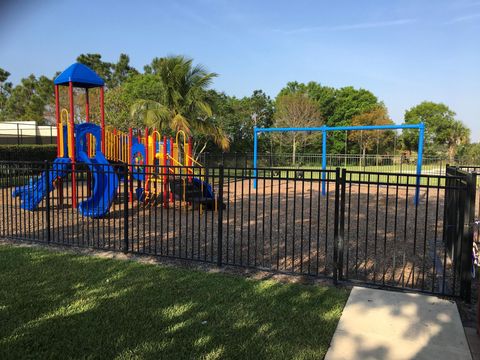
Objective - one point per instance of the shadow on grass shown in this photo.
(69, 306)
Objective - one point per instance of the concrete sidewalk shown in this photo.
(378, 324)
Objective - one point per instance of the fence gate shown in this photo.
(460, 220)
(387, 238)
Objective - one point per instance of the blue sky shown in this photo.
(403, 51)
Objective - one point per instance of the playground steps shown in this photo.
(188, 191)
(195, 192)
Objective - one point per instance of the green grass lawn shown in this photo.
(63, 305)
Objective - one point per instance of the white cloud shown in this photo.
(347, 27)
(464, 18)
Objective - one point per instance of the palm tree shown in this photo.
(183, 104)
(459, 135)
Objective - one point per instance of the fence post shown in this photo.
(458, 220)
(220, 216)
(125, 208)
(450, 211)
(467, 240)
(47, 199)
(336, 222)
(341, 230)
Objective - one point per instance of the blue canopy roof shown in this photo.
(80, 75)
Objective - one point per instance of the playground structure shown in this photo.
(102, 149)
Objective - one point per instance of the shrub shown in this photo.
(28, 152)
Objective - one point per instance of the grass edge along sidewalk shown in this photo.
(59, 304)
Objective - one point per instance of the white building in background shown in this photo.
(26, 132)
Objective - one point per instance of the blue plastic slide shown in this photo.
(32, 194)
(105, 184)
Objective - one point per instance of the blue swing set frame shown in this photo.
(325, 129)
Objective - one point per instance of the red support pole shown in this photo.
(164, 171)
(154, 148)
(147, 157)
(154, 141)
(130, 139)
(171, 155)
(87, 118)
(89, 152)
(72, 144)
(102, 117)
(57, 117)
(130, 161)
(87, 106)
(59, 182)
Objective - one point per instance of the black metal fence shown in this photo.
(392, 230)
(370, 162)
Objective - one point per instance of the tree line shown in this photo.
(173, 93)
